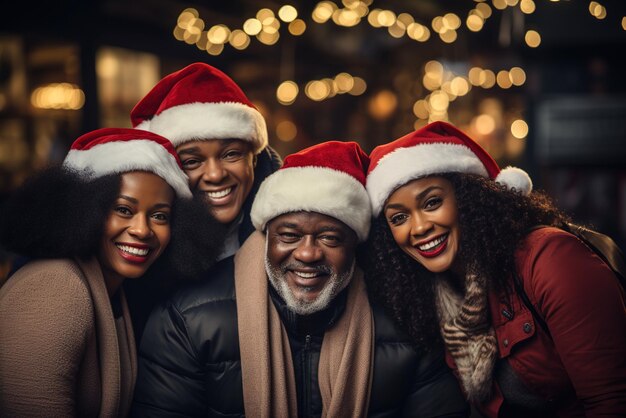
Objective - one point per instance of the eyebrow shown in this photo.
(223, 142)
(420, 196)
(135, 201)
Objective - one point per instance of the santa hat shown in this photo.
(435, 149)
(120, 150)
(200, 102)
(328, 178)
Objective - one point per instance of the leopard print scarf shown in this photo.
(468, 334)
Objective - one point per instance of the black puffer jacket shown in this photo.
(189, 362)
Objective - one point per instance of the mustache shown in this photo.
(294, 265)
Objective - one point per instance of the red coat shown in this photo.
(582, 368)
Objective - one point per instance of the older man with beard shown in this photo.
(285, 329)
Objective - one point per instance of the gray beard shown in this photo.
(335, 284)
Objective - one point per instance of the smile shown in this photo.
(433, 247)
(142, 252)
(307, 275)
(220, 193)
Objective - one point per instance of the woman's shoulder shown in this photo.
(57, 281)
(540, 239)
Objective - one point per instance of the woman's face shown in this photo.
(137, 229)
(423, 219)
(222, 170)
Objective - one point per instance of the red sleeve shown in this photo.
(583, 304)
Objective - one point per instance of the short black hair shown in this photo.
(58, 214)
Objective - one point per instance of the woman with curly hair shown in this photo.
(119, 204)
(452, 236)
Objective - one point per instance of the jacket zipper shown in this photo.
(305, 376)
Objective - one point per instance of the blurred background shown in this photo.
(540, 84)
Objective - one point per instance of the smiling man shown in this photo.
(285, 329)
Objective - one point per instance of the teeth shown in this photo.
(221, 193)
(134, 251)
(306, 275)
(432, 244)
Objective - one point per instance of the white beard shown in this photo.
(335, 284)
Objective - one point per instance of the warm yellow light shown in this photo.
(517, 76)
(437, 24)
(58, 96)
(239, 39)
(448, 36)
(346, 17)
(484, 10)
(192, 35)
(345, 82)
(268, 38)
(503, 79)
(527, 6)
(397, 30)
(439, 101)
(287, 13)
(263, 14)
(287, 92)
(415, 31)
(532, 38)
(218, 34)
(499, 4)
(488, 79)
(215, 49)
(252, 27)
(107, 66)
(459, 86)
(511, 3)
(484, 124)
(386, 18)
(323, 11)
(203, 41)
(474, 23)
(372, 18)
(406, 19)
(421, 109)
(519, 129)
(286, 130)
(297, 27)
(451, 21)
(474, 76)
(270, 25)
(382, 105)
(187, 18)
(317, 90)
(433, 66)
(359, 87)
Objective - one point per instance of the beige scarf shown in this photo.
(346, 358)
(468, 334)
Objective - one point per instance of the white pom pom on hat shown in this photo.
(437, 148)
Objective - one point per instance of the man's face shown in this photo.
(309, 259)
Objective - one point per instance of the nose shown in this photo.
(140, 227)
(308, 251)
(214, 171)
(420, 225)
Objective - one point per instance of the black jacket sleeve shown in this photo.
(170, 380)
(436, 392)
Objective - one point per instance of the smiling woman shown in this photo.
(119, 204)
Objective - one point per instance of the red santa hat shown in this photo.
(200, 102)
(435, 149)
(120, 150)
(328, 178)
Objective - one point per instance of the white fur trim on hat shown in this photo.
(192, 121)
(313, 189)
(124, 156)
(405, 164)
(515, 178)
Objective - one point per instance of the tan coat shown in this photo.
(62, 352)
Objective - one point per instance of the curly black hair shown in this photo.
(406, 289)
(57, 214)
